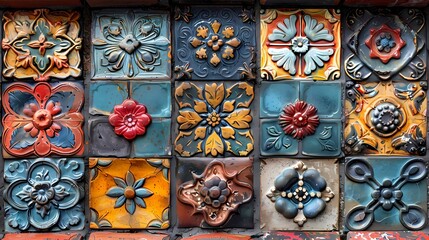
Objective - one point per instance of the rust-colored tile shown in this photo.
(129, 193)
(44, 236)
(125, 236)
(223, 236)
(300, 44)
(385, 118)
(39, 3)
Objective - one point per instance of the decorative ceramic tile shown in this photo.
(147, 105)
(44, 194)
(40, 44)
(131, 44)
(129, 193)
(299, 195)
(385, 44)
(125, 236)
(385, 118)
(300, 117)
(214, 43)
(223, 236)
(282, 3)
(404, 235)
(387, 3)
(275, 235)
(214, 119)
(43, 236)
(42, 119)
(300, 44)
(39, 4)
(120, 3)
(218, 193)
(385, 193)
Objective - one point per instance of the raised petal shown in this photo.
(285, 59)
(312, 177)
(129, 178)
(130, 206)
(214, 145)
(239, 119)
(188, 119)
(115, 192)
(214, 94)
(315, 58)
(316, 31)
(286, 179)
(286, 207)
(314, 207)
(143, 193)
(120, 201)
(284, 32)
(140, 202)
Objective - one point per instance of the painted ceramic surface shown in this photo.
(43, 236)
(44, 194)
(385, 44)
(385, 193)
(387, 3)
(215, 193)
(274, 235)
(129, 193)
(300, 118)
(403, 235)
(111, 140)
(214, 119)
(300, 3)
(385, 118)
(42, 119)
(131, 44)
(299, 195)
(215, 43)
(223, 236)
(125, 236)
(41, 44)
(300, 44)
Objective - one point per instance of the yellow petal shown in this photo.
(202, 31)
(214, 94)
(228, 106)
(240, 119)
(228, 132)
(200, 133)
(235, 42)
(215, 26)
(200, 106)
(188, 119)
(214, 145)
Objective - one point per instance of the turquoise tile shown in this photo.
(274, 141)
(156, 141)
(325, 142)
(105, 95)
(326, 97)
(274, 96)
(156, 96)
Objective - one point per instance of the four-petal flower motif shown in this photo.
(214, 42)
(130, 119)
(299, 119)
(214, 119)
(41, 44)
(129, 192)
(300, 193)
(131, 43)
(41, 120)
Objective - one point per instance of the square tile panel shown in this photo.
(299, 195)
(215, 43)
(43, 236)
(214, 119)
(385, 193)
(386, 3)
(42, 119)
(44, 194)
(402, 235)
(110, 137)
(125, 236)
(129, 193)
(131, 44)
(215, 193)
(300, 44)
(277, 235)
(385, 118)
(223, 236)
(383, 44)
(300, 118)
(41, 44)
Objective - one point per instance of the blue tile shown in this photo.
(325, 142)
(274, 141)
(156, 96)
(326, 97)
(276, 95)
(105, 95)
(156, 141)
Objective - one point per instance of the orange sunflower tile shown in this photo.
(129, 193)
(300, 44)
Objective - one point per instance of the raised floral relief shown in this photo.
(129, 192)
(216, 193)
(300, 193)
(385, 44)
(41, 44)
(131, 45)
(387, 195)
(214, 119)
(130, 119)
(300, 44)
(43, 194)
(43, 119)
(299, 119)
(385, 118)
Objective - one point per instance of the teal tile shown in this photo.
(274, 141)
(274, 96)
(105, 95)
(156, 96)
(156, 141)
(326, 97)
(325, 142)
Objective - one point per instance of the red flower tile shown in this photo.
(299, 119)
